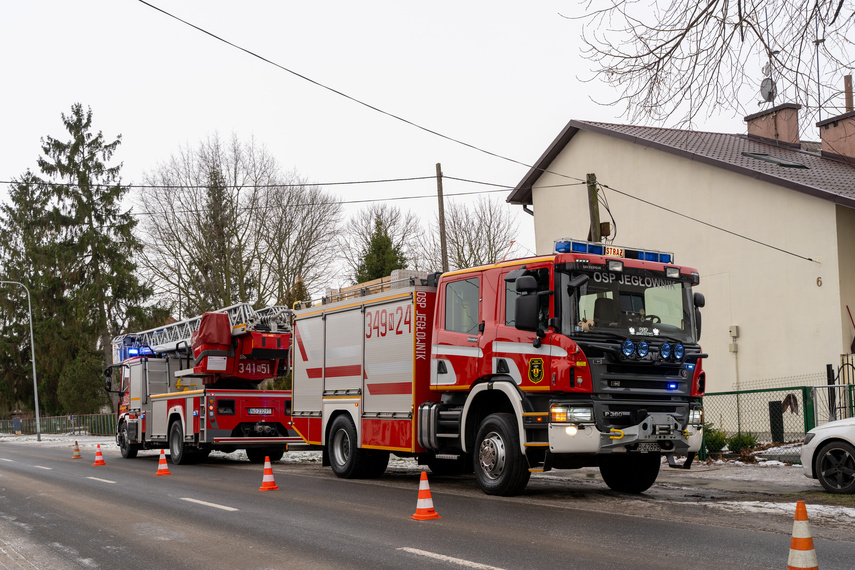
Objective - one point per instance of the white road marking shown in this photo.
(444, 558)
(102, 480)
(9, 460)
(46, 468)
(207, 504)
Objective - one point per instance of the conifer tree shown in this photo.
(381, 257)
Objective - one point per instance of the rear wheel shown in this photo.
(129, 450)
(835, 467)
(500, 467)
(346, 459)
(178, 452)
(630, 472)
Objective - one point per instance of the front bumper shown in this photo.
(660, 430)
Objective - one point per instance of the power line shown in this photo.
(336, 91)
(708, 224)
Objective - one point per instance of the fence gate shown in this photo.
(833, 402)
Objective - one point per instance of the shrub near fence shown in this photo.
(91, 424)
(772, 415)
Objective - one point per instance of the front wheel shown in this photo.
(346, 459)
(500, 467)
(178, 452)
(129, 450)
(835, 467)
(630, 472)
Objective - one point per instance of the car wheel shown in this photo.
(835, 467)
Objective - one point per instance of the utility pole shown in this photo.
(593, 208)
(33, 356)
(443, 247)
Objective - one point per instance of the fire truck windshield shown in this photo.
(629, 304)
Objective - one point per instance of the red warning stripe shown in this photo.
(390, 389)
(335, 371)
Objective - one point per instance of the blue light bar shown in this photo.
(133, 351)
(672, 385)
(595, 248)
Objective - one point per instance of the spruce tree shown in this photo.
(381, 257)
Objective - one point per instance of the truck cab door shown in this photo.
(524, 355)
(456, 353)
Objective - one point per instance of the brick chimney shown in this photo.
(838, 133)
(780, 125)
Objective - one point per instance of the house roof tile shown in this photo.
(823, 177)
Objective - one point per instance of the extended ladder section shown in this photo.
(177, 336)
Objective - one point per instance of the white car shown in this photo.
(828, 454)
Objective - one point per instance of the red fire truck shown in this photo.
(586, 357)
(191, 386)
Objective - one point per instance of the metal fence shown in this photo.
(92, 424)
(833, 402)
(773, 414)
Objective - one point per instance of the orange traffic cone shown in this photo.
(76, 452)
(424, 507)
(99, 459)
(802, 554)
(267, 483)
(162, 467)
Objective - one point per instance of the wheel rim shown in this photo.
(838, 468)
(123, 435)
(341, 447)
(491, 455)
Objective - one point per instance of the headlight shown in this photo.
(696, 417)
(679, 352)
(643, 349)
(572, 414)
(809, 436)
(665, 351)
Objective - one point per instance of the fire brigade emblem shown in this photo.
(535, 370)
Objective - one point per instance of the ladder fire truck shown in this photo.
(586, 357)
(191, 386)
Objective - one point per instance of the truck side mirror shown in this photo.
(108, 382)
(578, 281)
(699, 302)
(526, 311)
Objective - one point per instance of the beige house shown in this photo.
(768, 222)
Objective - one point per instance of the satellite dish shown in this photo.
(768, 91)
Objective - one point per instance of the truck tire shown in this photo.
(630, 472)
(835, 467)
(500, 467)
(346, 459)
(377, 463)
(129, 450)
(178, 452)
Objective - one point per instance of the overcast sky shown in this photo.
(502, 76)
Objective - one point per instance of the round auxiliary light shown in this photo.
(643, 349)
(679, 352)
(665, 350)
(628, 348)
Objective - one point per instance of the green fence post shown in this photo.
(807, 401)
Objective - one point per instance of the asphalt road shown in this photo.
(58, 512)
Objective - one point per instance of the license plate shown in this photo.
(648, 447)
(260, 411)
